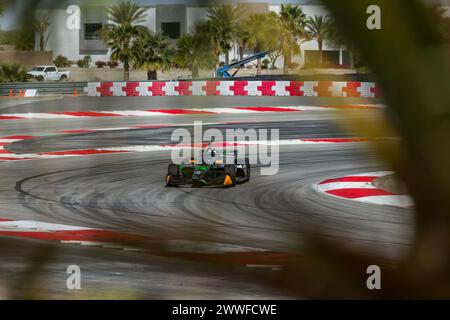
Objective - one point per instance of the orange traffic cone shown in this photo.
(75, 93)
(20, 93)
(11, 94)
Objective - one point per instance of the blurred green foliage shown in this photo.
(62, 62)
(84, 62)
(22, 39)
(154, 53)
(11, 72)
(410, 60)
(194, 53)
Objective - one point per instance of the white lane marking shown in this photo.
(33, 156)
(83, 243)
(43, 226)
(392, 200)
(40, 116)
(305, 141)
(309, 108)
(143, 148)
(224, 110)
(134, 113)
(345, 185)
(284, 142)
(111, 129)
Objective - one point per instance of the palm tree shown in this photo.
(155, 53)
(187, 54)
(208, 32)
(293, 21)
(263, 30)
(318, 28)
(120, 35)
(194, 52)
(41, 27)
(242, 39)
(224, 26)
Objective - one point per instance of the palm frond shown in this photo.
(126, 13)
(12, 73)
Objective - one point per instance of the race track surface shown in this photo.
(126, 193)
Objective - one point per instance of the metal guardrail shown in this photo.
(48, 87)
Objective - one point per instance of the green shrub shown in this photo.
(22, 39)
(7, 37)
(12, 72)
(62, 62)
(88, 60)
(80, 63)
(85, 62)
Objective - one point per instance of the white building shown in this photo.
(173, 18)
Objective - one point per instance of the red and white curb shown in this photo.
(58, 232)
(6, 155)
(360, 187)
(209, 251)
(177, 112)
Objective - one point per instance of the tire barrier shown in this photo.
(234, 88)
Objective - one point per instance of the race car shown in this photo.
(210, 172)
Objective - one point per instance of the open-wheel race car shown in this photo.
(210, 172)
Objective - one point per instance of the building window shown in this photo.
(171, 29)
(92, 31)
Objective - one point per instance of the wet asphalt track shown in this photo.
(126, 192)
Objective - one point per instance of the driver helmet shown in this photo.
(209, 155)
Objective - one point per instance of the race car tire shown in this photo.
(230, 172)
(173, 171)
